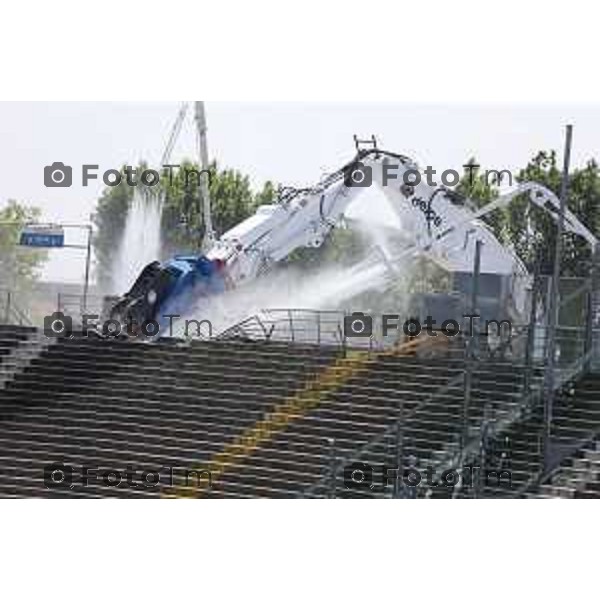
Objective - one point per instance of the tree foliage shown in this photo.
(19, 266)
(533, 231)
(232, 201)
(529, 229)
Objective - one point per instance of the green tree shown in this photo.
(19, 266)
(530, 230)
(533, 231)
(232, 201)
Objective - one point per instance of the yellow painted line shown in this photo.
(330, 380)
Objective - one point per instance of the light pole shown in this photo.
(88, 261)
(209, 234)
(554, 305)
(472, 344)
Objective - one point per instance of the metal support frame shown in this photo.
(472, 344)
(594, 287)
(209, 233)
(358, 142)
(398, 482)
(589, 323)
(332, 468)
(88, 261)
(8, 306)
(530, 344)
(554, 306)
(477, 482)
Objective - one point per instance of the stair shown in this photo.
(18, 347)
(577, 475)
(271, 419)
(115, 403)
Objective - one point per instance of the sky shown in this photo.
(289, 143)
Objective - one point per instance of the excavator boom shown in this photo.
(435, 220)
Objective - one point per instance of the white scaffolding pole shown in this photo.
(209, 234)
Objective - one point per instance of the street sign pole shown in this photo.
(88, 259)
(51, 236)
(554, 307)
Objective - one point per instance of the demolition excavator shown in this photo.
(437, 222)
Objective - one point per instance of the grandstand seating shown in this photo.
(115, 403)
(576, 419)
(365, 408)
(577, 477)
(10, 336)
(97, 402)
(110, 404)
(576, 425)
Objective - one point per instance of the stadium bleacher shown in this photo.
(10, 336)
(112, 403)
(365, 410)
(576, 425)
(274, 419)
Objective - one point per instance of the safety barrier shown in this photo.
(11, 310)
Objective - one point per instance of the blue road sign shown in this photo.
(42, 236)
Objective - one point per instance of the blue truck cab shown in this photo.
(174, 287)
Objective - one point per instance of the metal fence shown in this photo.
(302, 326)
(30, 307)
(11, 310)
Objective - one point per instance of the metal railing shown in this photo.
(11, 311)
(547, 475)
(321, 327)
(380, 438)
(573, 360)
(569, 366)
(290, 325)
(303, 326)
(29, 307)
(76, 305)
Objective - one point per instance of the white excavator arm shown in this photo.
(436, 220)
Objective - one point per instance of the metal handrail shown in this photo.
(11, 313)
(564, 376)
(458, 379)
(495, 427)
(544, 477)
(292, 322)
